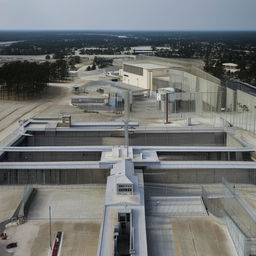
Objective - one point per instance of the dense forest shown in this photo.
(22, 80)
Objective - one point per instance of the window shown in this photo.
(133, 69)
(124, 188)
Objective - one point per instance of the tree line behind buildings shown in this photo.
(22, 80)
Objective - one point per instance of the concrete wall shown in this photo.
(178, 139)
(97, 176)
(197, 176)
(160, 83)
(237, 236)
(117, 138)
(241, 225)
(233, 98)
(51, 156)
(203, 156)
(156, 73)
(136, 80)
(145, 81)
(231, 101)
(244, 246)
(188, 82)
(241, 216)
(172, 61)
(184, 81)
(231, 141)
(75, 138)
(184, 73)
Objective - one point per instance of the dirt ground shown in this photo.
(54, 102)
(200, 236)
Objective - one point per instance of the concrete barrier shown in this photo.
(21, 211)
(28, 197)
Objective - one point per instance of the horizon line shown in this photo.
(128, 30)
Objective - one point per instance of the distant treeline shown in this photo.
(98, 51)
(100, 63)
(214, 48)
(22, 80)
(109, 42)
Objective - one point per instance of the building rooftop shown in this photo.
(245, 87)
(164, 78)
(230, 64)
(147, 65)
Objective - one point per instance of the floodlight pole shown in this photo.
(50, 227)
(126, 95)
(126, 134)
(167, 108)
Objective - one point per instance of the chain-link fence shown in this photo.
(194, 104)
(240, 218)
(213, 108)
(206, 108)
(241, 221)
(146, 108)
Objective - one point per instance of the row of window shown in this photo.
(133, 70)
(125, 190)
(124, 185)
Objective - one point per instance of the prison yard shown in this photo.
(151, 156)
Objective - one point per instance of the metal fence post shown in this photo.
(166, 108)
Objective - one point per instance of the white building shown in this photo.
(141, 73)
(182, 74)
(231, 67)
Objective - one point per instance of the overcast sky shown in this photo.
(129, 14)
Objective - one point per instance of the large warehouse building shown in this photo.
(142, 74)
(153, 73)
(200, 89)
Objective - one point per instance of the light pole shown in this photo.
(50, 227)
(126, 120)
(167, 108)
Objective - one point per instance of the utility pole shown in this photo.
(126, 95)
(126, 132)
(126, 119)
(167, 108)
(50, 227)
